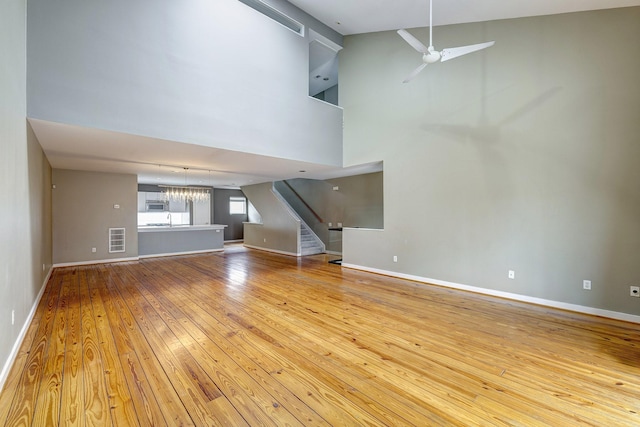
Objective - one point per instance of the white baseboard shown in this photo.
(507, 295)
(205, 251)
(4, 374)
(96, 261)
(272, 250)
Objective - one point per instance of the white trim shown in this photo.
(97, 261)
(315, 36)
(325, 102)
(4, 374)
(275, 15)
(333, 253)
(272, 250)
(180, 253)
(507, 295)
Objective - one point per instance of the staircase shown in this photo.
(309, 242)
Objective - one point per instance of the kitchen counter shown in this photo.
(167, 240)
(154, 228)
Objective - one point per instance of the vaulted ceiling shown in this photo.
(366, 16)
(157, 161)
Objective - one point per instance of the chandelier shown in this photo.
(185, 193)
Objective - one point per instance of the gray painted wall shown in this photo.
(25, 183)
(83, 212)
(522, 157)
(185, 71)
(279, 228)
(221, 215)
(358, 202)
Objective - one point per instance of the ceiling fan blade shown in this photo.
(414, 73)
(454, 52)
(414, 42)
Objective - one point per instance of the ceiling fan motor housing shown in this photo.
(431, 56)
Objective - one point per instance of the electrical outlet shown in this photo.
(586, 284)
(512, 274)
(13, 317)
(395, 258)
(93, 250)
(634, 291)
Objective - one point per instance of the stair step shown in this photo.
(313, 251)
(309, 244)
(314, 247)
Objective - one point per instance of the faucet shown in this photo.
(169, 218)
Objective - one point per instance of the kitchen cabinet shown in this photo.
(188, 239)
(142, 199)
(177, 206)
(154, 195)
(202, 212)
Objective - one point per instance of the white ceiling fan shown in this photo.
(429, 54)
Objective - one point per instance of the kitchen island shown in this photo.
(167, 240)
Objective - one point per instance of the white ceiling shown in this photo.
(366, 16)
(160, 161)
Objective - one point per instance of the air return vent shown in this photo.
(276, 15)
(116, 240)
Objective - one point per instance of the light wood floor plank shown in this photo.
(71, 401)
(296, 372)
(121, 406)
(252, 338)
(23, 396)
(157, 402)
(94, 397)
(232, 327)
(47, 406)
(23, 353)
(215, 358)
(280, 365)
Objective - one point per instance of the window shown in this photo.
(237, 205)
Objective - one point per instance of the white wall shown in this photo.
(523, 156)
(214, 73)
(25, 182)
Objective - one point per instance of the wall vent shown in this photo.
(116, 240)
(276, 15)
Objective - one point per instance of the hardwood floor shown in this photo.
(252, 338)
